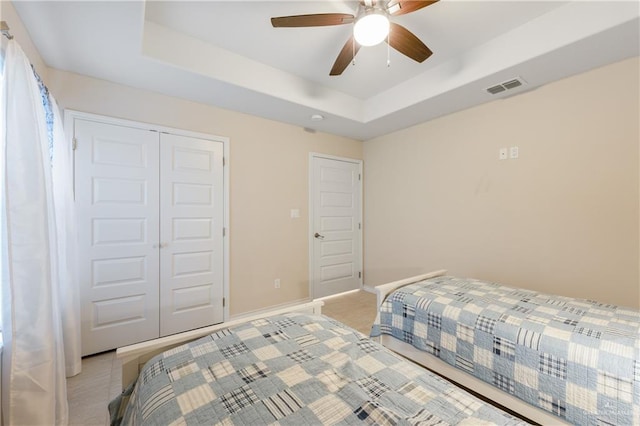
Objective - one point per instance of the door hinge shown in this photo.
(224, 162)
(359, 274)
(74, 144)
(359, 225)
(224, 232)
(359, 176)
(224, 302)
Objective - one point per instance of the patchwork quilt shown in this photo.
(296, 369)
(575, 358)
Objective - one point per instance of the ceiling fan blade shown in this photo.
(405, 42)
(345, 56)
(314, 20)
(402, 7)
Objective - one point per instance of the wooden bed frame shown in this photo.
(452, 373)
(134, 357)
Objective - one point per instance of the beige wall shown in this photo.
(269, 176)
(563, 218)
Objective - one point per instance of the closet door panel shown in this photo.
(191, 254)
(116, 187)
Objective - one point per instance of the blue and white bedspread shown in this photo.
(575, 358)
(296, 369)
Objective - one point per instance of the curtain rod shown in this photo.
(5, 30)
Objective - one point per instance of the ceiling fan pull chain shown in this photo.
(388, 49)
(353, 50)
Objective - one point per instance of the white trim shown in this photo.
(382, 291)
(263, 311)
(335, 157)
(313, 155)
(369, 289)
(227, 226)
(333, 296)
(71, 115)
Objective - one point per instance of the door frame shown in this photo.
(71, 115)
(312, 156)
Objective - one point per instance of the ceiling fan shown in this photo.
(371, 14)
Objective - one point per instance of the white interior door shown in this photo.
(116, 184)
(191, 239)
(336, 224)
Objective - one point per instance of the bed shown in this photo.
(289, 367)
(551, 359)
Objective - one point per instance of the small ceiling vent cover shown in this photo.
(496, 89)
(506, 85)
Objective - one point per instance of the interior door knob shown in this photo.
(318, 236)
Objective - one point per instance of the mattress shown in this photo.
(575, 358)
(296, 369)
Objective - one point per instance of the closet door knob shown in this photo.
(318, 236)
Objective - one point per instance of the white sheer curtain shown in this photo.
(67, 243)
(38, 283)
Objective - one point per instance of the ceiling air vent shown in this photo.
(496, 89)
(512, 84)
(506, 85)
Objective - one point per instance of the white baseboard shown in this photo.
(344, 293)
(267, 309)
(369, 289)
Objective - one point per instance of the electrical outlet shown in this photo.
(514, 152)
(502, 153)
(276, 283)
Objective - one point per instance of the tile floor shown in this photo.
(90, 391)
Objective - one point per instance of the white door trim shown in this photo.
(310, 240)
(71, 115)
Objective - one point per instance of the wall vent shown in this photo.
(506, 85)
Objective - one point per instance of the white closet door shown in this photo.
(191, 254)
(116, 186)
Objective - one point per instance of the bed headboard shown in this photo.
(382, 291)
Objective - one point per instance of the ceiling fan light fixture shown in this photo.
(371, 29)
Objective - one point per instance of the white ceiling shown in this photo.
(225, 53)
